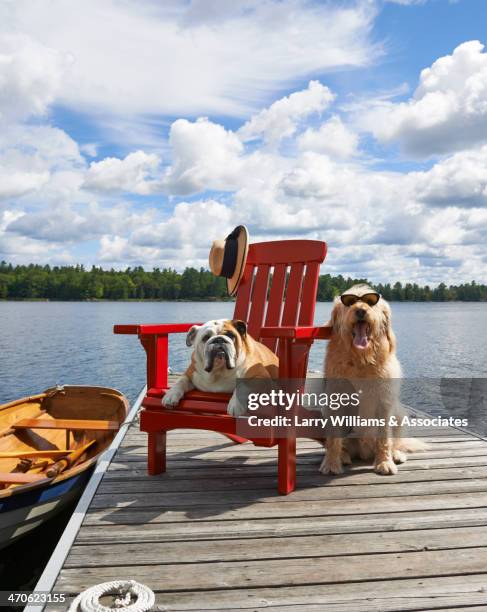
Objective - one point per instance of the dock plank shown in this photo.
(148, 508)
(306, 464)
(276, 548)
(474, 449)
(257, 498)
(387, 596)
(104, 532)
(174, 482)
(285, 572)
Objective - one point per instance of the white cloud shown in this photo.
(180, 58)
(204, 156)
(448, 110)
(34, 158)
(281, 119)
(90, 149)
(64, 223)
(190, 225)
(22, 249)
(332, 138)
(30, 76)
(8, 216)
(178, 241)
(44, 145)
(115, 249)
(406, 2)
(460, 180)
(16, 184)
(132, 173)
(317, 176)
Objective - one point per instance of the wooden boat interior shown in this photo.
(56, 433)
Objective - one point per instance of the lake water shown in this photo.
(44, 343)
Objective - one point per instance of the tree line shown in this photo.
(77, 283)
(330, 286)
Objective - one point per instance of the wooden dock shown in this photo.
(212, 533)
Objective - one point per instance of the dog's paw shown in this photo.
(333, 466)
(235, 408)
(386, 468)
(399, 456)
(172, 397)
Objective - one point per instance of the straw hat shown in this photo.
(227, 257)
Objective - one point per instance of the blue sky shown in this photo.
(136, 133)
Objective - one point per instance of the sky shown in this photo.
(136, 132)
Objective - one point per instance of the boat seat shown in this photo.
(39, 454)
(72, 424)
(20, 477)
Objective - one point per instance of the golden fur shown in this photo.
(374, 359)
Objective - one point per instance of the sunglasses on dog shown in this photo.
(371, 299)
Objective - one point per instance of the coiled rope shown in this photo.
(124, 590)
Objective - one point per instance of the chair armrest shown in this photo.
(154, 339)
(297, 332)
(293, 354)
(169, 328)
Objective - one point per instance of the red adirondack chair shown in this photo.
(277, 298)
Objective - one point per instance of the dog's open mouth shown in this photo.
(218, 358)
(361, 334)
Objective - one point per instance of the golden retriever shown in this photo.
(363, 346)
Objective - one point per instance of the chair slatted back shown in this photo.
(279, 285)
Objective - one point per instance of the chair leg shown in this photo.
(287, 465)
(235, 439)
(156, 452)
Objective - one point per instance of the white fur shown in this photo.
(173, 396)
(222, 381)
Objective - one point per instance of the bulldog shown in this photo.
(223, 352)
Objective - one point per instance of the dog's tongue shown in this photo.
(360, 339)
(220, 358)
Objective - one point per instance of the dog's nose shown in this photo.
(360, 313)
(218, 340)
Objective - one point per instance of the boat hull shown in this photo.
(20, 514)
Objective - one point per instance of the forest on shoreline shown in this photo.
(74, 283)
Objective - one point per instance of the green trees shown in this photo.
(397, 292)
(330, 286)
(77, 283)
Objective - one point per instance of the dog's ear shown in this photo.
(191, 335)
(391, 337)
(240, 326)
(334, 317)
(387, 327)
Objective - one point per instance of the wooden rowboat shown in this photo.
(49, 444)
